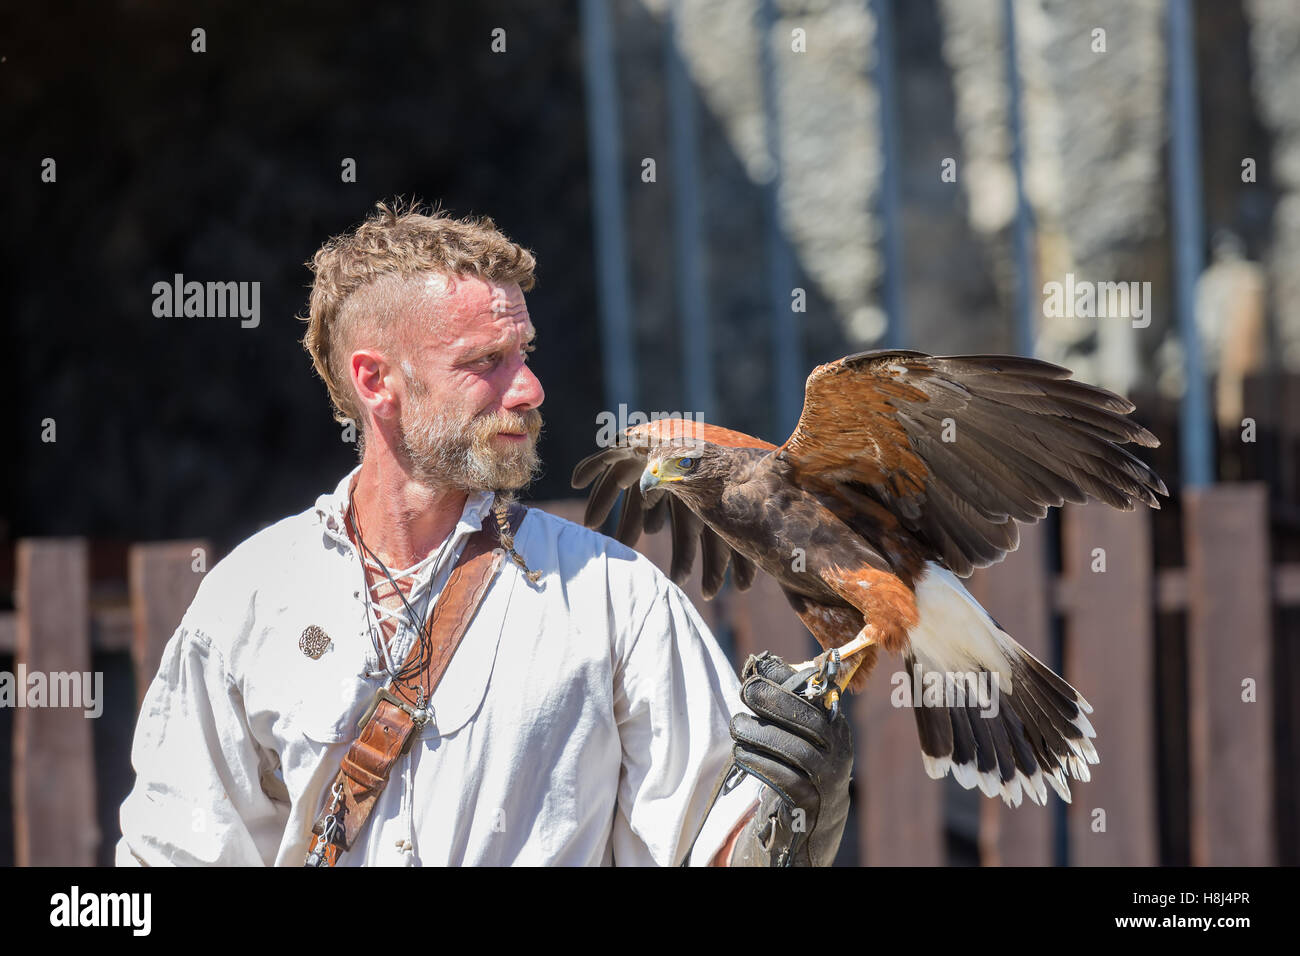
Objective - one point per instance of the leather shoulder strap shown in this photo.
(389, 725)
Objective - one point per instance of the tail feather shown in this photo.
(1026, 731)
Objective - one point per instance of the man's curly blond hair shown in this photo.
(357, 298)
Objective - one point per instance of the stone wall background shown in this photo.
(1096, 169)
(225, 165)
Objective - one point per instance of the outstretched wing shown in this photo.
(959, 448)
(617, 470)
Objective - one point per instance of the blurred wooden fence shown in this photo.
(1225, 592)
(58, 625)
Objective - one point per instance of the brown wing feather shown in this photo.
(959, 448)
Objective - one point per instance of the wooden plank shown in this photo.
(164, 577)
(1108, 658)
(1229, 642)
(54, 767)
(112, 629)
(901, 820)
(1172, 588)
(1016, 593)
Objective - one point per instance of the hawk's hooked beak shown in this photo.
(649, 477)
(657, 473)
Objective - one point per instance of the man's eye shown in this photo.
(491, 361)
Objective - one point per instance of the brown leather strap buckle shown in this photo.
(419, 715)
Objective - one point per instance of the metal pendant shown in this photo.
(314, 642)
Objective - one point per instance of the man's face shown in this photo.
(469, 417)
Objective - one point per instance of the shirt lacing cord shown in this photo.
(391, 621)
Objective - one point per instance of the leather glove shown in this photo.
(803, 757)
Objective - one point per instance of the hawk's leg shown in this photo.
(833, 669)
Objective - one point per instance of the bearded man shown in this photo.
(582, 714)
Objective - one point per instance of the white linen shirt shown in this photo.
(582, 721)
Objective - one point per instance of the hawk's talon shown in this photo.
(822, 686)
(828, 665)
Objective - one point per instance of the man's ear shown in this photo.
(375, 381)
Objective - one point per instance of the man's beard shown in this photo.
(448, 450)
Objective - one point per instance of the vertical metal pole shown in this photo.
(604, 138)
(1022, 236)
(1025, 332)
(787, 348)
(1185, 199)
(689, 251)
(890, 184)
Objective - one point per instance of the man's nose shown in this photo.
(526, 390)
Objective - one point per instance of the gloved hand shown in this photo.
(805, 760)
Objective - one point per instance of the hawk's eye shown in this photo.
(686, 464)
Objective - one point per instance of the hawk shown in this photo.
(905, 472)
